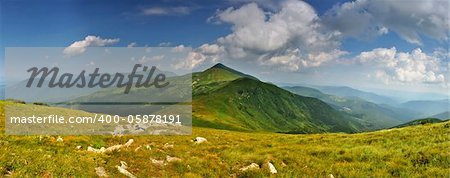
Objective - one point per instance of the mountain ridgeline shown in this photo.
(348, 92)
(428, 107)
(373, 116)
(224, 98)
(420, 122)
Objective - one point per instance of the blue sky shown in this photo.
(345, 36)
(55, 23)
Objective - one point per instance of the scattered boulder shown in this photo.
(148, 147)
(158, 162)
(101, 150)
(139, 147)
(79, 147)
(129, 142)
(123, 169)
(101, 172)
(167, 145)
(172, 159)
(111, 148)
(331, 176)
(199, 140)
(59, 139)
(272, 168)
(250, 167)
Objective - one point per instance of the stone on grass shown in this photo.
(101, 172)
(158, 162)
(139, 147)
(129, 142)
(59, 139)
(200, 140)
(123, 169)
(272, 168)
(167, 145)
(250, 167)
(111, 148)
(172, 159)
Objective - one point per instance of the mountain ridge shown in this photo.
(375, 115)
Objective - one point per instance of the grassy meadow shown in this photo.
(417, 151)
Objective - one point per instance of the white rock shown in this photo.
(101, 150)
(200, 140)
(148, 147)
(79, 147)
(139, 147)
(123, 169)
(331, 176)
(101, 172)
(111, 148)
(272, 168)
(250, 167)
(172, 159)
(59, 139)
(167, 145)
(130, 141)
(158, 162)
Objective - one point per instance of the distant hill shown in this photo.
(44, 94)
(348, 92)
(375, 116)
(2, 92)
(56, 95)
(428, 108)
(442, 116)
(419, 122)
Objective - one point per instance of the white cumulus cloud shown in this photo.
(206, 52)
(79, 47)
(405, 67)
(291, 37)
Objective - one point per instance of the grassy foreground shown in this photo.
(418, 151)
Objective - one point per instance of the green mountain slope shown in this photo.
(225, 99)
(374, 116)
(354, 93)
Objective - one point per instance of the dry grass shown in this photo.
(419, 151)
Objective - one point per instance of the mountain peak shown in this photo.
(221, 66)
(222, 72)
